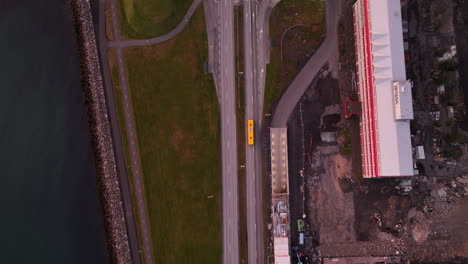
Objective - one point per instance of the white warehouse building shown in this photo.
(384, 91)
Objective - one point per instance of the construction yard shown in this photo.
(421, 219)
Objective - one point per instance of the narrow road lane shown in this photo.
(133, 145)
(228, 133)
(119, 154)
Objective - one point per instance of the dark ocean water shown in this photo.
(49, 204)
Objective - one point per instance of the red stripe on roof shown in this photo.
(371, 87)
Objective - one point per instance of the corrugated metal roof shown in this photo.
(394, 141)
(388, 66)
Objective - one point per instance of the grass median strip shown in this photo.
(177, 122)
(241, 130)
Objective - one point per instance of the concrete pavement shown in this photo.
(328, 52)
(228, 132)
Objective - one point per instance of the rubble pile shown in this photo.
(101, 136)
(432, 229)
(425, 223)
(357, 249)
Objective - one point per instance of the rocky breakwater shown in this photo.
(91, 81)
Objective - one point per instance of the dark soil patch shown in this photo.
(319, 95)
(329, 122)
(378, 208)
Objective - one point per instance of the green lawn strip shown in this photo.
(241, 131)
(126, 149)
(272, 76)
(177, 123)
(286, 14)
(150, 18)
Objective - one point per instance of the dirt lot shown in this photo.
(321, 100)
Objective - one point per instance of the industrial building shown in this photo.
(279, 160)
(384, 91)
(280, 195)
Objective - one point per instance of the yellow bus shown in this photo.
(250, 132)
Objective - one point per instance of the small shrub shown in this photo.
(346, 150)
(448, 65)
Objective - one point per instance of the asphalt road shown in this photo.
(228, 132)
(254, 228)
(256, 47)
(133, 144)
(118, 149)
(326, 53)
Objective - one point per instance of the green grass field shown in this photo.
(150, 18)
(297, 43)
(177, 123)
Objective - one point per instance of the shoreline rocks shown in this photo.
(108, 184)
